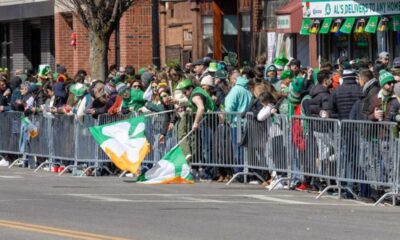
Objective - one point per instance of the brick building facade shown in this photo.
(195, 28)
(131, 43)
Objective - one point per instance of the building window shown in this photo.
(269, 7)
(208, 35)
(245, 38)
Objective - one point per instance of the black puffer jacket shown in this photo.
(320, 100)
(344, 97)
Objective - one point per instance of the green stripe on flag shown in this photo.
(173, 168)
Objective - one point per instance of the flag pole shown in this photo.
(187, 135)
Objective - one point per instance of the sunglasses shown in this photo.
(136, 86)
(154, 87)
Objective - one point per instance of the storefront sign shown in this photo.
(349, 8)
(283, 22)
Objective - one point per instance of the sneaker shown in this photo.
(4, 163)
(205, 180)
(277, 187)
(272, 183)
(303, 187)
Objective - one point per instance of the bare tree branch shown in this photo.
(100, 18)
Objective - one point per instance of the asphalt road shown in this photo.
(45, 206)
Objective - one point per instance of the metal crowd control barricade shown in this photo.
(314, 150)
(56, 140)
(10, 129)
(155, 122)
(268, 144)
(42, 145)
(216, 144)
(369, 155)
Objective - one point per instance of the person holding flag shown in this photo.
(199, 103)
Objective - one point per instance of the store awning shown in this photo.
(288, 17)
(396, 23)
(372, 25)
(347, 25)
(332, 25)
(326, 26)
(305, 26)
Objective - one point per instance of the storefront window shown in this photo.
(382, 41)
(269, 7)
(340, 46)
(245, 38)
(208, 44)
(361, 43)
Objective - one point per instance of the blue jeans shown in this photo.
(236, 150)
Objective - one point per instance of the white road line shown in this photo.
(280, 200)
(11, 177)
(101, 198)
(202, 200)
(194, 198)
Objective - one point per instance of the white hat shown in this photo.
(384, 55)
(207, 80)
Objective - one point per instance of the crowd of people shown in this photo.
(358, 89)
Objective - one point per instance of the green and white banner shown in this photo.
(349, 8)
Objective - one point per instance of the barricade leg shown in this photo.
(18, 161)
(244, 174)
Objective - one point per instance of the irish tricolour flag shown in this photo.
(124, 142)
(173, 168)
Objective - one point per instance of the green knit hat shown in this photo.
(286, 74)
(385, 77)
(297, 85)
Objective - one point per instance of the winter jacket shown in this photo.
(320, 100)
(5, 100)
(378, 101)
(343, 98)
(394, 112)
(239, 98)
(370, 90)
